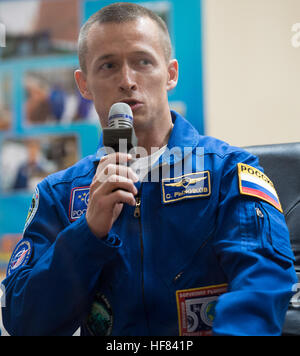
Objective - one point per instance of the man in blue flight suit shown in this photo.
(203, 249)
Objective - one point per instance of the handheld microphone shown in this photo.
(120, 135)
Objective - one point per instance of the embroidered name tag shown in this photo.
(196, 309)
(78, 202)
(255, 183)
(193, 185)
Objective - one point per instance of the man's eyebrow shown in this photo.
(110, 55)
(143, 53)
(104, 57)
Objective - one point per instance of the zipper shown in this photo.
(137, 210)
(259, 216)
(137, 215)
(263, 219)
(259, 213)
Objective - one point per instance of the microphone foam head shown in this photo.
(120, 115)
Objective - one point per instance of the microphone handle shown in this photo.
(120, 139)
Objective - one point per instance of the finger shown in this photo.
(116, 182)
(115, 158)
(122, 196)
(123, 171)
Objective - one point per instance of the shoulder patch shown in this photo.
(255, 183)
(33, 207)
(20, 256)
(78, 202)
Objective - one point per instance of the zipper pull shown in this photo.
(179, 275)
(137, 211)
(259, 213)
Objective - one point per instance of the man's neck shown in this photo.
(156, 136)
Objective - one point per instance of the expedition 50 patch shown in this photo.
(196, 309)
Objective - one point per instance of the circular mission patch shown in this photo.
(100, 319)
(20, 255)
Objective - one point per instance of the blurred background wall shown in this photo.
(252, 70)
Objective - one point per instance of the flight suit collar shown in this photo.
(183, 139)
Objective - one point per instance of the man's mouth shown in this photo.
(134, 104)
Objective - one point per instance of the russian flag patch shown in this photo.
(255, 183)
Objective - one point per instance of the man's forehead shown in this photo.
(133, 29)
(109, 38)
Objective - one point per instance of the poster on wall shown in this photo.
(34, 159)
(5, 102)
(52, 97)
(39, 28)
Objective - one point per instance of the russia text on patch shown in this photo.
(255, 183)
(188, 186)
(78, 202)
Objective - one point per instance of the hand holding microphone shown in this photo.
(113, 184)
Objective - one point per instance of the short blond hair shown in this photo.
(121, 13)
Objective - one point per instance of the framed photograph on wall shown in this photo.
(6, 115)
(52, 97)
(39, 27)
(34, 159)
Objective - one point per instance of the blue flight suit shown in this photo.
(198, 255)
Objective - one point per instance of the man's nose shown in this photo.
(127, 79)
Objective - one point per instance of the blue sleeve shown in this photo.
(50, 293)
(253, 247)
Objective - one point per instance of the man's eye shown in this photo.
(145, 62)
(107, 66)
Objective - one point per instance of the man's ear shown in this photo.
(81, 82)
(173, 72)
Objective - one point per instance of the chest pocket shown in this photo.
(275, 233)
(263, 227)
